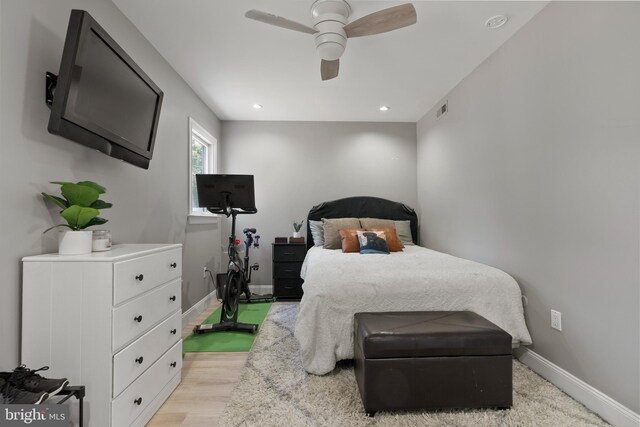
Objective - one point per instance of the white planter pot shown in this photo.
(74, 242)
(296, 234)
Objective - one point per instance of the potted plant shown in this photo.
(81, 204)
(296, 228)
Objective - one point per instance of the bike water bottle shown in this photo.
(239, 246)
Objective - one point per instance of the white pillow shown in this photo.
(403, 230)
(317, 232)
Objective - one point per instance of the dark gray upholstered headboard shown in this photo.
(363, 207)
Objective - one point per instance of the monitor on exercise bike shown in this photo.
(221, 193)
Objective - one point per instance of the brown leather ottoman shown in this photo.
(431, 360)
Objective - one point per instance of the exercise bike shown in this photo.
(238, 272)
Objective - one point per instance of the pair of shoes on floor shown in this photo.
(25, 386)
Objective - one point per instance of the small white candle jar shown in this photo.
(101, 240)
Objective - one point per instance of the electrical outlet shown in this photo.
(556, 320)
(204, 273)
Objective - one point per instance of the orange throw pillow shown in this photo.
(349, 238)
(395, 245)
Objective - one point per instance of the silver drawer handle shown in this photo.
(139, 360)
(288, 253)
(290, 271)
(140, 277)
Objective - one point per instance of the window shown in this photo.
(202, 159)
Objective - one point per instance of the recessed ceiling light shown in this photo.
(257, 106)
(385, 108)
(496, 22)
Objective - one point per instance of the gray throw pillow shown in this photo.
(377, 223)
(332, 227)
(403, 230)
(317, 232)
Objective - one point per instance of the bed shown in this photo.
(337, 285)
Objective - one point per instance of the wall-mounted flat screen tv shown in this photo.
(102, 98)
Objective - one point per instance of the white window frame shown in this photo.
(201, 215)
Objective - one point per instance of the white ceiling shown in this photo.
(232, 62)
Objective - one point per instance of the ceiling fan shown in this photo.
(331, 27)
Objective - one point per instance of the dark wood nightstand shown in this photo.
(287, 263)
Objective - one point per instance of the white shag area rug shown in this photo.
(274, 390)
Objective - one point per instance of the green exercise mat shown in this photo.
(230, 341)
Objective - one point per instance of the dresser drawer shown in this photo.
(132, 402)
(135, 276)
(287, 288)
(134, 359)
(288, 252)
(286, 270)
(139, 315)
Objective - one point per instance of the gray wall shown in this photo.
(300, 164)
(536, 170)
(150, 206)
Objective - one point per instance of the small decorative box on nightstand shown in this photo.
(287, 263)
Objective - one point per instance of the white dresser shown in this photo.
(110, 321)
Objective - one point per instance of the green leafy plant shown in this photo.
(80, 203)
(297, 225)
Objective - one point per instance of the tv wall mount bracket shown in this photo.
(51, 81)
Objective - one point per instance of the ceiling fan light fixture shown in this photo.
(330, 46)
(330, 51)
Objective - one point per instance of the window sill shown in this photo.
(203, 219)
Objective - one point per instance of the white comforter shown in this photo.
(337, 285)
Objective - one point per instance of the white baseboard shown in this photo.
(609, 409)
(261, 289)
(197, 308)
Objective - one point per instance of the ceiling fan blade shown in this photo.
(329, 69)
(279, 21)
(382, 21)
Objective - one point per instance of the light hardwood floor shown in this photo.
(207, 382)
